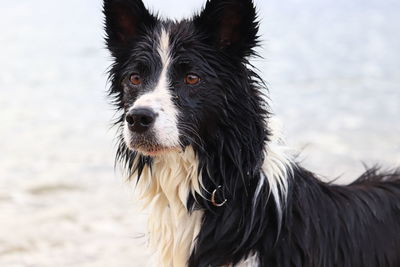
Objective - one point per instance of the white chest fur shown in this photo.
(166, 187)
(165, 191)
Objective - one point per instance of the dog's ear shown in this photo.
(125, 21)
(230, 24)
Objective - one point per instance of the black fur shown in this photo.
(224, 120)
(329, 225)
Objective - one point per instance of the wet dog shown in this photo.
(197, 137)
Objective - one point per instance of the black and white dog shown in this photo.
(196, 135)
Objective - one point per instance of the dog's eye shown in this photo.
(135, 79)
(192, 79)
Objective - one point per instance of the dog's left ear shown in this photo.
(231, 25)
(125, 22)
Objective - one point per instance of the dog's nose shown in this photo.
(140, 119)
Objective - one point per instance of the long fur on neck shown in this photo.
(166, 183)
(164, 187)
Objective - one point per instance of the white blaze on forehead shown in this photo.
(160, 99)
(163, 49)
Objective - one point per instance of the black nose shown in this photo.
(140, 119)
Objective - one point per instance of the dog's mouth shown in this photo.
(149, 148)
(154, 151)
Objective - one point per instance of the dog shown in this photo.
(197, 136)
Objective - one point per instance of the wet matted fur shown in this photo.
(220, 186)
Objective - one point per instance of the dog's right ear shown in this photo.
(230, 25)
(125, 21)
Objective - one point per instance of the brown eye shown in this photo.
(135, 79)
(192, 79)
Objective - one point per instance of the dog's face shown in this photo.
(179, 83)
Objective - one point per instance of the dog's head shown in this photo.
(184, 83)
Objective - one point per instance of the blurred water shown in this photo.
(333, 70)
